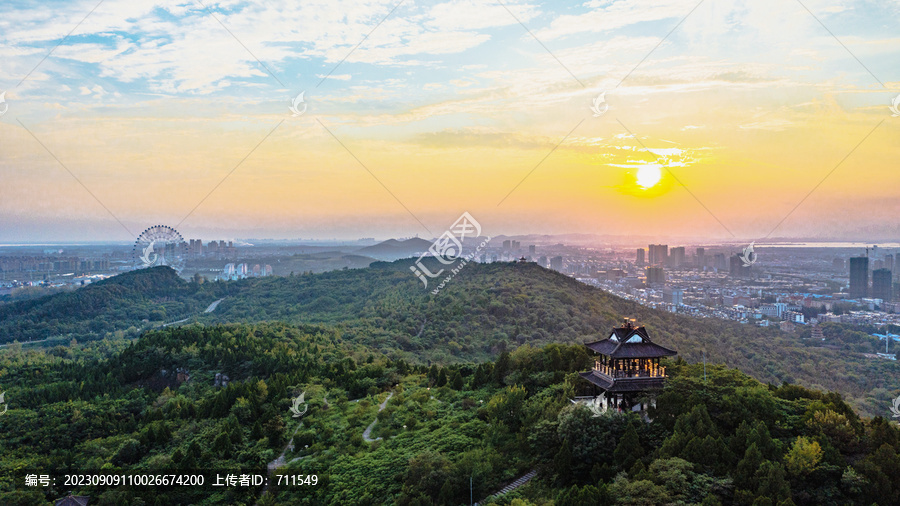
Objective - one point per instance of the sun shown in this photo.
(644, 180)
(648, 176)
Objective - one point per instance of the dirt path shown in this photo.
(368, 431)
(280, 461)
(275, 464)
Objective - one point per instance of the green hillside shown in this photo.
(489, 308)
(716, 437)
(486, 309)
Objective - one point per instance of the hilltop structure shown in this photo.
(627, 370)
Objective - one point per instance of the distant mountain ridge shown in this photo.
(392, 249)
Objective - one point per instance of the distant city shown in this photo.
(789, 286)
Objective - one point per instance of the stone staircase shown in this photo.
(514, 485)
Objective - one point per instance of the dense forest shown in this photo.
(487, 309)
(126, 304)
(447, 432)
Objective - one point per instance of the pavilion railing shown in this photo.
(658, 372)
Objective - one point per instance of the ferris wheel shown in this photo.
(159, 245)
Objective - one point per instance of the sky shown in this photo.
(722, 120)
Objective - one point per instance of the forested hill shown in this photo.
(125, 302)
(487, 308)
(483, 310)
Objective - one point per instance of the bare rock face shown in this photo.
(221, 380)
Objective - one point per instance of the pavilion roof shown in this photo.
(73, 500)
(629, 341)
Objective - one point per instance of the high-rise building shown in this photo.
(556, 263)
(701, 258)
(881, 285)
(676, 257)
(531, 249)
(506, 244)
(859, 277)
(719, 261)
(659, 254)
(196, 247)
(889, 262)
(656, 276)
(640, 257)
(737, 268)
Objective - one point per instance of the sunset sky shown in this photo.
(447, 107)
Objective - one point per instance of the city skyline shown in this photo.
(772, 121)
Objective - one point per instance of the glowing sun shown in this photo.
(648, 176)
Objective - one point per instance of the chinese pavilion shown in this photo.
(627, 368)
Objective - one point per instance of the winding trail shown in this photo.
(368, 431)
(280, 461)
(275, 464)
